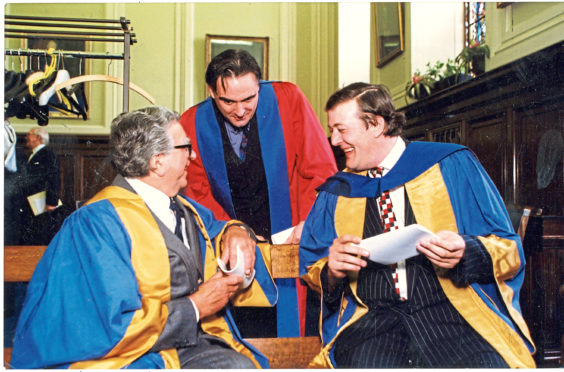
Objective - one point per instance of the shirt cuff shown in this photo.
(195, 310)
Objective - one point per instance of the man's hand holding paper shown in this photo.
(396, 245)
(445, 249)
(344, 257)
(348, 253)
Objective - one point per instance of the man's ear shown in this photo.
(156, 164)
(379, 125)
(210, 90)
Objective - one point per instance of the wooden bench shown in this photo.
(20, 261)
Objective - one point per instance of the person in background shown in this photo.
(41, 173)
(13, 192)
(456, 303)
(261, 154)
(131, 280)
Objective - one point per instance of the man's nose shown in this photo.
(240, 109)
(335, 138)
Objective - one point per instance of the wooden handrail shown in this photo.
(20, 261)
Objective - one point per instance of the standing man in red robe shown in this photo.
(261, 154)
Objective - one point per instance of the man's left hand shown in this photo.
(238, 237)
(445, 250)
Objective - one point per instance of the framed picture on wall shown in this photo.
(74, 66)
(388, 26)
(256, 46)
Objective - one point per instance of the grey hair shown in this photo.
(42, 133)
(139, 135)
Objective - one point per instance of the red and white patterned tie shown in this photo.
(390, 223)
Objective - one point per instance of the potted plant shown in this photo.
(451, 74)
(473, 57)
(435, 71)
(420, 85)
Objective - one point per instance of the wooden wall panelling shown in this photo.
(449, 134)
(541, 158)
(511, 166)
(532, 83)
(488, 140)
(542, 294)
(96, 172)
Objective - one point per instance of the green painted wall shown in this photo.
(236, 19)
(522, 28)
(153, 56)
(317, 51)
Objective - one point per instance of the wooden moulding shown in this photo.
(285, 261)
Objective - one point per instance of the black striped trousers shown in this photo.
(424, 331)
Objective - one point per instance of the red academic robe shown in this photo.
(297, 159)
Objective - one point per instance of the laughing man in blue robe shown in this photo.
(456, 303)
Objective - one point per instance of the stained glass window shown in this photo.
(475, 23)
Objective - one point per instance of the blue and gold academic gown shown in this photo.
(448, 189)
(107, 286)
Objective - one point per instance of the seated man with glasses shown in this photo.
(131, 280)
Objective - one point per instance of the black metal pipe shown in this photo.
(87, 33)
(87, 20)
(66, 25)
(14, 36)
(64, 53)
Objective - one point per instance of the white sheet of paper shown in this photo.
(396, 245)
(239, 269)
(282, 236)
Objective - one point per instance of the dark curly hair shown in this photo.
(231, 63)
(373, 100)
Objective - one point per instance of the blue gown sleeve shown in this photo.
(82, 295)
(319, 231)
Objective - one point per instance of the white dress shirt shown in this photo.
(398, 203)
(158, 202)
(397, 194)
(34, 151)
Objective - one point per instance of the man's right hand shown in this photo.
(344, 257)
(214, 293)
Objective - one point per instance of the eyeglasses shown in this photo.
(185, 146)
